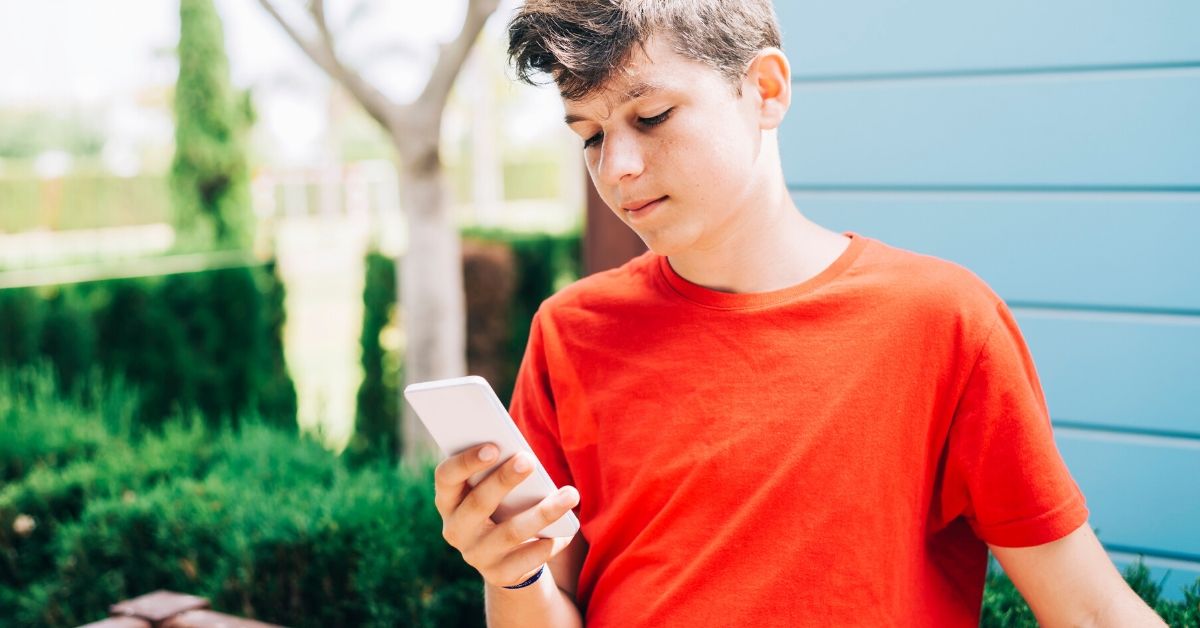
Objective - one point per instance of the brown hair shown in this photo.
(581, 43)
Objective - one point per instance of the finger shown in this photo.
(451, 475)
(527, 524)
(487, 495)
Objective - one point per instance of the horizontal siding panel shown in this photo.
(1114, 130)
(1106, 251)
(1122, 374)
(896, 36)
(1142, 492)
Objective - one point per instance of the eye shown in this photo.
(592, 141)
(656, 120)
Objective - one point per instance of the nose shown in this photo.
(620, 157)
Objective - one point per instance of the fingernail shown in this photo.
(565, 495)
(488, 454)
(522, 464)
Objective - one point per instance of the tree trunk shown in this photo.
(431, 292)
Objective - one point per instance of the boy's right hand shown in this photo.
(507, 553)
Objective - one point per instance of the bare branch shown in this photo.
(317, 8)
(320, 56)
(451, 56)
(379, 106)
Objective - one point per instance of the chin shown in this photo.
(660, 245)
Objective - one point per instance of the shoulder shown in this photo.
(928, 295)
(597, 310)
(632, 282)
(906, 270)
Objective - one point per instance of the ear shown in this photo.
(770, 76)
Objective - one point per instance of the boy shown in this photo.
(769, 424)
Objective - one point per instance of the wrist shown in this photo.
(531, 580)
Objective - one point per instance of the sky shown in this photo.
(74, 54)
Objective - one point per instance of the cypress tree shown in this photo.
(375, 433)
(209, 175)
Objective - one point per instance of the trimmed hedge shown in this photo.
(208, 342)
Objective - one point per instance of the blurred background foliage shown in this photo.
(207, 342)
(25, 134)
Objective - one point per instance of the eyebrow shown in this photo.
(637, 90)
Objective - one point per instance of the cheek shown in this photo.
(715, 162)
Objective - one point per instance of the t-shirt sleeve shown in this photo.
(1004, 472)
(533, 408)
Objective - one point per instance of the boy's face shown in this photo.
(672, 150)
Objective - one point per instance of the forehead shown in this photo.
(652, 67)
(647, 59)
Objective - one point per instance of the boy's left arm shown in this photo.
(1072, 582)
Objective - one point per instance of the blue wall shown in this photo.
(1054, 149)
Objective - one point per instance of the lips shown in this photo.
(634, 206)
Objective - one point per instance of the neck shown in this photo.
(768, 246)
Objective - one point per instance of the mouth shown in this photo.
(642, 205)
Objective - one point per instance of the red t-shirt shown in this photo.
(834, 453)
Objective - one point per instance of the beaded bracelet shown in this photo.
(532, 579)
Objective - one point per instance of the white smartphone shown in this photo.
(464, 412)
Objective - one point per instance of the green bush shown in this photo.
(69, 453)
(55, 439)
(269, 537)
(208, 341)
(263, 522)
